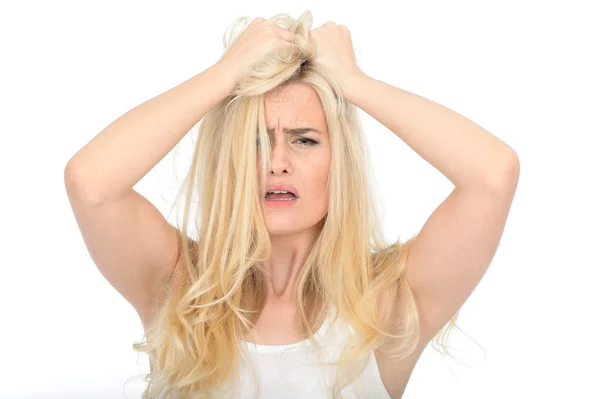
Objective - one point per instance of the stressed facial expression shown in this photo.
(300, 158)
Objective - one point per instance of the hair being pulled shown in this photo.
(194, 340)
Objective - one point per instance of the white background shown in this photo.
(527, 71)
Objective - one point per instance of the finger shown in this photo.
(287, 35)
(345, 29)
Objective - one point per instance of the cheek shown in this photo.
(323, 173)
(319, 187)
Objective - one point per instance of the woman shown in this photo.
(289, 289)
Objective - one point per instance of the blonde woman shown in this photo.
(288, 288)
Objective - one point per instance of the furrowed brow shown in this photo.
(299, 130)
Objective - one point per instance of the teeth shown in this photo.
(280, 192)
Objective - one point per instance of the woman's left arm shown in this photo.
(469, 156)
(457, 243)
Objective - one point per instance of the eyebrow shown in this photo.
(299, 130)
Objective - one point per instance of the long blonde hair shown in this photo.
(194, 341)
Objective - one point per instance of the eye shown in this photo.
(307, 141)
(310, 142)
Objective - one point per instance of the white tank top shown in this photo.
(293, 371)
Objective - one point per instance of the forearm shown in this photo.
(468, 155)
(127, 149)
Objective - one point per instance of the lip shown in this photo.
(284, 187)
(279, 203)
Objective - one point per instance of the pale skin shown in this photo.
(458, 241)
(134, 246)
(301, 160)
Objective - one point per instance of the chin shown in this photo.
(280, 231)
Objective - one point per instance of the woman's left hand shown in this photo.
(333, 50)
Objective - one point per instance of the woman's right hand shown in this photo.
(258, 39)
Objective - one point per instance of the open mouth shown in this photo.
(270, 196)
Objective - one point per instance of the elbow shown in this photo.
(76, 184)
(505, 175)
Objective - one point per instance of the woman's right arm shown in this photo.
(118, 157)
(131, 243)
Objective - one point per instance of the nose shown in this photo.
(280, 163)
(280, 158)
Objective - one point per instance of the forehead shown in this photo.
(292, 104)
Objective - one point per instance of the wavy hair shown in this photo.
(222, 287)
